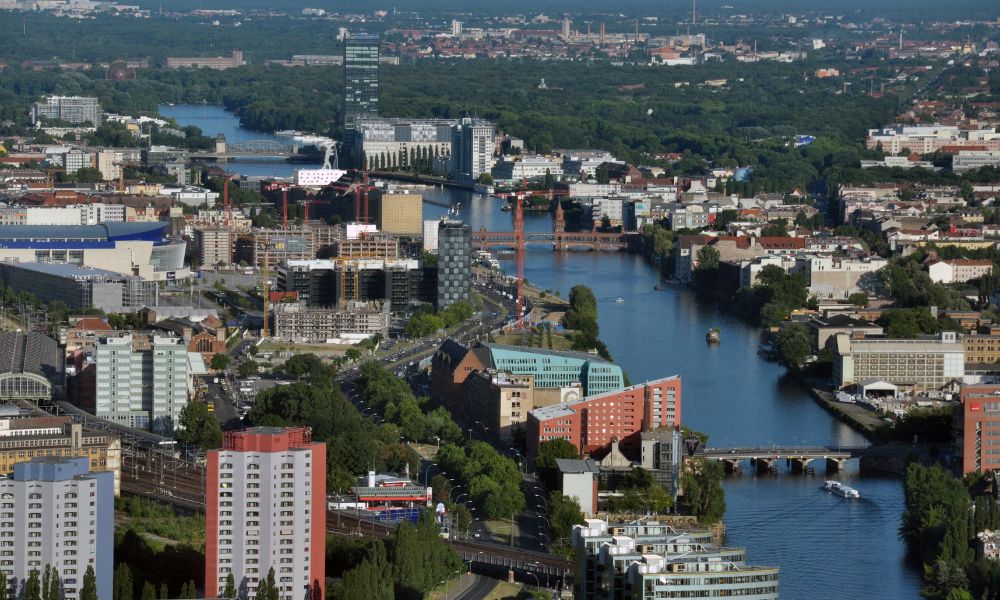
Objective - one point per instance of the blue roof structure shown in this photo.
(104, 235)
(65, 270)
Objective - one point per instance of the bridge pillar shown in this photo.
(733, 466)
(800, 465)
(764, 465)
(834, 465)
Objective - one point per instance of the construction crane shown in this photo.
(360, 189)
(519, 251)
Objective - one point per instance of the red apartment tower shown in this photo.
(265, 497)
(981, 428)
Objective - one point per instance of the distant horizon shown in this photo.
(909, 10)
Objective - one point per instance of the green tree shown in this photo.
(55, 586)
(220, 361)
(858, 299)
(164, 593)
(33, 586)
(545, 460)
(776, 228)
(247, 368)
(794, 343)
(149, 592)
(200, 427)
(89, 589)
(230, 591)
(123, 588)
(564, 513)
(4, 586)
(703, 492)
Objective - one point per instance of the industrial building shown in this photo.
(31, 368)
(60, 514)
(79, 287)
(917, 365)
(648, 560)
(266, 507)
(355, 322)
(73, 109)
(595, 421)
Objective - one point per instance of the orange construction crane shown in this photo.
(284, 207)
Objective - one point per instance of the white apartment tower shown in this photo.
(142, 381)
(54, 512)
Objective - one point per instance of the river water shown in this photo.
(827, 548)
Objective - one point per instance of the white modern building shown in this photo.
(318, 177)
(959, 270)
(530, 166)
(74, 109)
(968, 160)
(472, 144)
(55, 512)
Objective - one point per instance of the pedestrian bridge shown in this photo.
(798, 457)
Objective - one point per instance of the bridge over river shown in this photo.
(798, 457)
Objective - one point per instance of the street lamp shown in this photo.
(544, 501)
(427, 471)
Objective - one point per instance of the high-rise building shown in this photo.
(456, 28)
(361, 52)
(142, 381)
(58, 513)
(454, 263)
(266, 508)
(979, 441)
(74, 109)
(472, 142)
(214, 245)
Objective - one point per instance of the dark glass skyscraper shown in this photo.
(454, 263)
(360, 77)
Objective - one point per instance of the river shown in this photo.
(827, 548)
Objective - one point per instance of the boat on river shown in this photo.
(844, 491)
(620, 300)
(712, 337)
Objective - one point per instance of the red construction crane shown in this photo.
(361, 189)
(284, 207)
(225, 200)
(519, 252)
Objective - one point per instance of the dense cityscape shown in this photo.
(447, 300)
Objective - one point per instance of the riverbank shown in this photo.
(858, 417)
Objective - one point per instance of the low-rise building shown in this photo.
(25, 438)
(968, 160)
(988, 545)
(959, 270)
(528, 166)
(982, 348)
(824, 328)
(207, 62)
(918, 365)
(502, 400)
(356, 322)
(578, 480)
(596, 420)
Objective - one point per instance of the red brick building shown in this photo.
(981, 428)
(595, 421)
